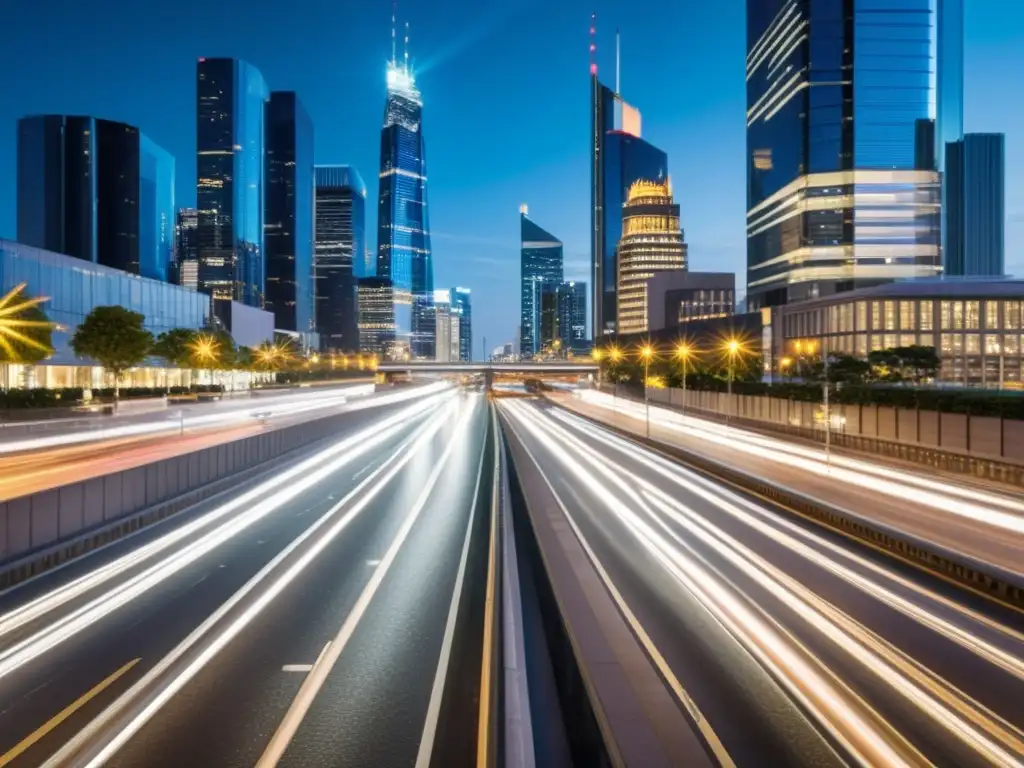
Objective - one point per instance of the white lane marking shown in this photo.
(314, 682)
(124, 732)
(437, 691)
(373, 563)
(296, 667)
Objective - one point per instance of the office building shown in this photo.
(652, 242)
(677, 298)
(619, 156)
(186, 249)
(545, 319)
(339, 253)
(98, 190)
(460, 298)
(74, 288)
(377, 318)
(288, 214)
(835, 93)
(230, 188)
(448, 325)
(572, 316)
(975, 183)
(403, 229)
(540, 272)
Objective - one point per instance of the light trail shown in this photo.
(997, 742)
(296, 481)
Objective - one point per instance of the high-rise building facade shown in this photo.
(448, 327)
(572, 315)
(835, 93)
(619, 156)
(540, 270)
(403, 229)
(652, 242)
(377, 317)
(339, 248)
(461, 299)
(288, 214)
(98, 190)
(976, 205)
(186, 255)
(231, 144)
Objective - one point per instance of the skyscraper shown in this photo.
(230, 142)
(460, 298)
(186, 257)
(376, 316)
(976, 205)
(652, 242)
(288, 214)
(403, 229)
(98, 190)
(618, 157)
(835, 90)
(340, 247)
(448, 327)
(540, 271)
(572, 315)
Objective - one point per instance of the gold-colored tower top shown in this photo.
(645, 188)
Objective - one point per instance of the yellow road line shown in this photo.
(483, 747)
(64, 714)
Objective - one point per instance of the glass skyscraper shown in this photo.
(540, 272)
(340, 245)
(230, 142)
(403, 229)
(186, 249)
(288, 214)
(572, 315)
(460, 300)
(976, 205)
(836, 92)
(619, 157)
(98, 190)
(376, 299)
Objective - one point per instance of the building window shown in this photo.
(876, 315)
(926, 317)
(958, 316)
(926, 339)
(972, 315)
(889, 340)
(907, 316)
(992, 345)
(862, 343)
(991, 315)
(862, 316)
(1011, 345)
(1011, 315)
(890, 316)
(876, 342)
(972, 344)
(958, 344)
(906, 339)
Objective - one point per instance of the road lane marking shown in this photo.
(64, 714)
(314, 682)
(437, 691)
(296, 667)
(483, 723)
(373, 563)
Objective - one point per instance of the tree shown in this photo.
(846, 369)
(115, 338)
(173, 346)
(25, 331)
(914, 363)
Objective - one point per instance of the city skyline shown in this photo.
(475, 240)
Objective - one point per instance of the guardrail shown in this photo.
(983, 578)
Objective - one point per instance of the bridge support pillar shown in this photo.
(488, 380)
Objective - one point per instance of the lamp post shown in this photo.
(615, 354)
(645, 353)
(683, 352)
(731, 347)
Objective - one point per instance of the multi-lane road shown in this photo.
(324, 614)
(795, 646)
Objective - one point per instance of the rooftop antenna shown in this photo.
(617, 89)
(593, 44)
(394, 10)
(407, 47)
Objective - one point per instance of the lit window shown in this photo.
(992, 345)
(1011, 344)
(862, 315)
(906, 339)
(876, 315)
(991, 315)
(972, 315)
(1011, 315)
(972, 344)
(926, 339)
(890, 316)
(926, 319)
(958, 315)
(907, 316)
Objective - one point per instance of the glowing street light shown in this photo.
(683, 352)
(733, 347)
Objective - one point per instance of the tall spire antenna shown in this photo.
(407, 46)
(617, 83)
(593, 44)
(394, 11)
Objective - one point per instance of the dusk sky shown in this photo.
(506, 101)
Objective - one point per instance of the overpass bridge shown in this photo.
(489, 370)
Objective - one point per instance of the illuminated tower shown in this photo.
(651, 242)
(403, 230)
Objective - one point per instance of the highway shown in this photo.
(792, 646)
(325, 613)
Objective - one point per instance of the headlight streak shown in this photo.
(769, 525)
(67, 626)
(905, 485)
(363, 494)
(870, 651)
(849, 720)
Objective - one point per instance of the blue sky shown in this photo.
(505, 87)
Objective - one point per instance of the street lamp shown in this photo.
(204, 348)
(646, 352)
(683, 352)
(732, 347)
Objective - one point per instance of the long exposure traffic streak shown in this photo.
(148, 622)
(795, 645)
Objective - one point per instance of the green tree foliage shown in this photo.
(173, 346)
(115, 338)
(914, 364)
